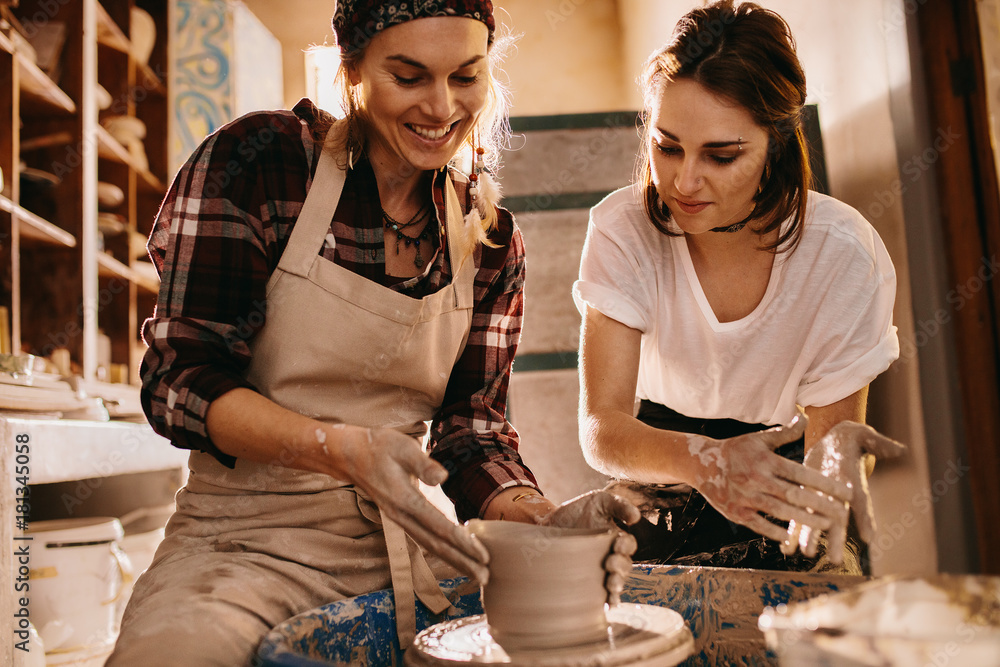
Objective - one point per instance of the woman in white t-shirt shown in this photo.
(728, 299)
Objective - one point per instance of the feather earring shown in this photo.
(350, 146)
(478, 166)
(477, 178)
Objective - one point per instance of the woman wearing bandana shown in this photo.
(328, 289)
(746, 314)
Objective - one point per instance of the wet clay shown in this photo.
(546, 585)
(638, 636)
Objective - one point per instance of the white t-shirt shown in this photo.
(822, 331)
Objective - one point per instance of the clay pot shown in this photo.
(546, 586)
(103, 97)
(143, 34)
(124, 128)
(109, 195)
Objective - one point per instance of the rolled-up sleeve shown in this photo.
(214, 245)
(614, 278)
(470, 435)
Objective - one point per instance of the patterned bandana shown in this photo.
(356, 21)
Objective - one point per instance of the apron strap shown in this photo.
(313, 221)
(410, 575)
(459, 245)
(424, 582)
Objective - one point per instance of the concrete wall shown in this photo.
(298, 24)
(568, 59)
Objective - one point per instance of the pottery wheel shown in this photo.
(638, 635)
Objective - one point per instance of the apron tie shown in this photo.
(411, 578)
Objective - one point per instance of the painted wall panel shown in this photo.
(225, 63)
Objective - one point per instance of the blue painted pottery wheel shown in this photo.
(719, 606)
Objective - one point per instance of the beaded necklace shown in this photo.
(397, 227)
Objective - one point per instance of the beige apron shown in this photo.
(339, 348)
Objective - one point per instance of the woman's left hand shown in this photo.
(840, 454)
(600, 509)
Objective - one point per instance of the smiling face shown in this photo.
(422, 100)
(707, 156)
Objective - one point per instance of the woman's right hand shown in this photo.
(382, 462)
(742, 477)
(385, 464)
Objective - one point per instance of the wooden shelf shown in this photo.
(108, 32)
(37, 84)
(111, 149)
(46, 141)
(151, 182)
(149, 80)
(111, 35)
(108, 266)
(42, 116)
(145, 276)
(38, 229)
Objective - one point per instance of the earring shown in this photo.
(478, 165)
(350, 145)
(739, 144)
(765, 177)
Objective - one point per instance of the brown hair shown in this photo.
(745, 54)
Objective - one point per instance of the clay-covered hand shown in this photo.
(385, 464)
(840, 455)
(742, 477)
(600, 509)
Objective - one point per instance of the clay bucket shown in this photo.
(546, 586)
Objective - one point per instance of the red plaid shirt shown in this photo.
(219, 234)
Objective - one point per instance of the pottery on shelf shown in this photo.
(109, 195)
(546, 585)
(124, 128)
(129, 131)
(137, 150)
(111, 224)
(137, 245)
(142, 34)
(103, 97)
(39, 177)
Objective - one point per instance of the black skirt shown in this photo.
(680, 527)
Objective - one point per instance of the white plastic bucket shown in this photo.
(34, 656)
(77, 573)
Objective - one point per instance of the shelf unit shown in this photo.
(62, 280)
(35, 228)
